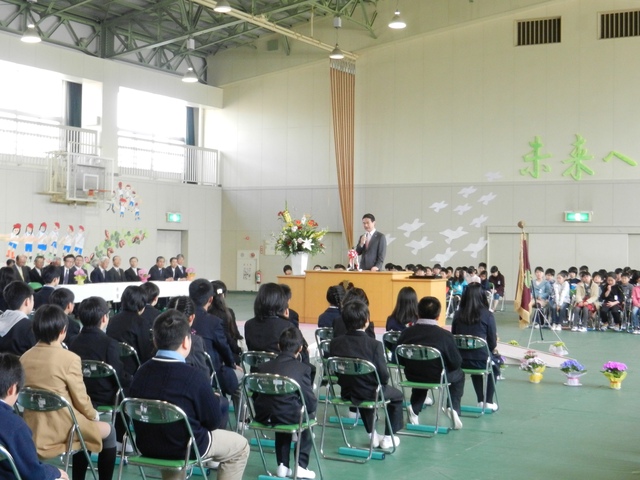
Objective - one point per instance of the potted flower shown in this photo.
(80, 275)
(143, 275)
(191, 273)
(534, 365)
(514, 343)
(299, 238)
(616, 372)
(558, 348)
(573, 370)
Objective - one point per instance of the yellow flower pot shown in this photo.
(535, 377)
(615, 383)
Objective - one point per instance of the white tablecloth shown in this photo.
(113, 291)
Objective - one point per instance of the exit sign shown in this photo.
(174, 217)
(577, 217)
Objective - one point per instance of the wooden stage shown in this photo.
(309, 291)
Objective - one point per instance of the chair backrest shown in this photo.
(156, 412)
(43, 401)
(324, 347)
(98, 369)
(421, 353)
(272, 384)
(470, 342)
(350, 366)
(5, 455)
(212, 372)
(391, 337)
(127, 350)
(324, 333)
(253, 359)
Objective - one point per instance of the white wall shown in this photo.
(436, 114)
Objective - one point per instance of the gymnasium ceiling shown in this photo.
(171, 35)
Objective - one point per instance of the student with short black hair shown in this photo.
(50, 277)
(152, 293)
(48, 366)
(15, 435)
(283, 410)
(16, 335)
(64, 298)
(362, 388)
(196, 357)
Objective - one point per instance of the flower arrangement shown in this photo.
(80, 275)
(558, 348)
(191, 273)
(572, 366)
(299, 236)
(614, 370)
(190, 270)
(143, 275)
(532, 363)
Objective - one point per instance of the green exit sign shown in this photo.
(580, 217)
(174, 217)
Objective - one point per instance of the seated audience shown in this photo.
(131, 273)
(21, 269)
(293, 316)
(15, 435)
(270, 308)
(611, 303)
(220, 309)
(116, 274)
(151, 294)
(63, 297)
(16, 335)
(405, 312)
(7, 275)
(335, 294)
(50, 277)
(287, 270)
(196, 357)
(67, 271)
(497, 279)
(283, 410)
(130, 327)
(357, 344)
(167, 377)
(35, 274)
(475, 318)
(426, 331)
(48, 366)
(339, 326)
(156, 273)
(172, 273)
(99, 274)
(562, 299)
(586, 299)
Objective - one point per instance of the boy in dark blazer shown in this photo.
(282, 410)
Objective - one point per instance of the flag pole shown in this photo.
(522, 301)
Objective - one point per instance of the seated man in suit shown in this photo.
(182, 269)
(67, 271)
(131, 273)
(64, 298)
(426, 331)
(171, 273)
(50, 278)
(116, 274)
(357, 344)
(21, 268)
(99, 274)
(35, 274)
(283, 410)
(372, 246)
(156, 273)
(16, 333)
(15, 435)
(167, 377)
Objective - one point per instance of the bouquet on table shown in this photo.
(143, 275)
(191, 273)
(80, 275)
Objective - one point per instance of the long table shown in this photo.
(112, 291)
(309, 291)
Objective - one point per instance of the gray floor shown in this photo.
(541, 431)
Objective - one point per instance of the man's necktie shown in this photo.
(66, 276)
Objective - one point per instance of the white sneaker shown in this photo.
(283, 471)
(129, 448)
(536, 325)
(574, 329)
(376, 439)
(387, 442)
(453, 415)
(302, 472)
(413, 418)
(615, 328)
(489, 406)
(582, 329)
(212, 464)
(428, 400)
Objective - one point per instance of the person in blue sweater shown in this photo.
(15, 435)
(167, 377)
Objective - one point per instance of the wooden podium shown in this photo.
(309, 291)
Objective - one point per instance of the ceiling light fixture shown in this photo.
(222, 7)
(397, 23)
(190, 76)
(336, 53)
(31, 35)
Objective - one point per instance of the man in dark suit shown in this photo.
(131, 273)
(362, 388)
(282, 410)
(21, 269)
(99, 274)
(68, 270)
(156, 273)
(372, 246)
(426, 331)
(116, 274)
(171, 273)
(50, 278)
(182, 269)
(35, 274)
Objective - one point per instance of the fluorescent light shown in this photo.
(222, 7)
(190, 76)
(396, 22)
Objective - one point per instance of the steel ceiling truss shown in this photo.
(169, 35)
